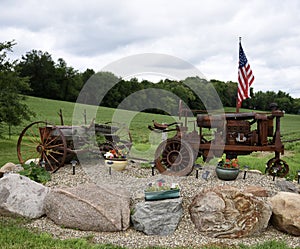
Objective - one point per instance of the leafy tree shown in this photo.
(68, 79)
(52, 80)
(12, 108)
(296, 108)
(86, 75)
(40, 68)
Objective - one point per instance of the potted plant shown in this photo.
(116, 159)
(159, 190)
(228, 169)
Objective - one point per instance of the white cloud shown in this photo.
(92, 34)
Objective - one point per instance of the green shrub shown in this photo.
(35, 173)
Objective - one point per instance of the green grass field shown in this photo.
(144, 142)
(14, 236)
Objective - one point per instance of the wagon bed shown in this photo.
(54, 146)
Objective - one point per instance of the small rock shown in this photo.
(8, 167)
(287, 186)
(286, 212)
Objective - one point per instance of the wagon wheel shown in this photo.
(278, 166)
(39, 140)
(174, 157)
(120, 138)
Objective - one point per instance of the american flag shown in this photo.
(245, 77)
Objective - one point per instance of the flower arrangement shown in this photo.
(115, 154)
(160, 185)
(227, 163)
(159, 190)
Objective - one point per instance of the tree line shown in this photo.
(57, 80)
(37, 74)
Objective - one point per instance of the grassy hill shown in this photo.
(47, 110)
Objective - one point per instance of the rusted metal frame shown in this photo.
(238, 147)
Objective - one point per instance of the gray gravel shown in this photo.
(135, 180)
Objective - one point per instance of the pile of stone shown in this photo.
(215, 210)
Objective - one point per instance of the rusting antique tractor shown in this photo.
(233, 134)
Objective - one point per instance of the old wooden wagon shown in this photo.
(53, 146)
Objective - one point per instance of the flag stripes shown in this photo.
(245, 77)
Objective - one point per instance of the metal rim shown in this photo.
(36, 141)
(174, 157)
(278, 167)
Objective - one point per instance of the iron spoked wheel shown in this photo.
(174, 157)
(278, 167)
(45, 142)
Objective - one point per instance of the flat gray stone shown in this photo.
(157, 217)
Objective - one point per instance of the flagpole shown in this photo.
(237, 98)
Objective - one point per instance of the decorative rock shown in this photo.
(255, 171)
(157, 217)
(286, 212)
(8, 167)
(20, 196)
(226, 212)
(256, 191)
(287, 186)
(90, 207)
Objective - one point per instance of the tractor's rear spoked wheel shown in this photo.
(43, 142)
(278, 167)
(174, 157)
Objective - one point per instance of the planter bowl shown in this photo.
(225, 174)
(117, 164)
(161, 195)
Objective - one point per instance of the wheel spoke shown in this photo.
(32, 155)
(34, 140)
(56, 152)
(48, 161)
(33, 136)
(54, 146)
(30, 145)
(54, 159)
(51, 141)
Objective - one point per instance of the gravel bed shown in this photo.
(135, 179)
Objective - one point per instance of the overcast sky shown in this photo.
(93, 34)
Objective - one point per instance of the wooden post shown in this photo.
(237, 109)
(61, 117)
(84, 116)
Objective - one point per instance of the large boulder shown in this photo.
(20, 196)
(286, 212)
(90, 207)
(157, 217)
(226, 212)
